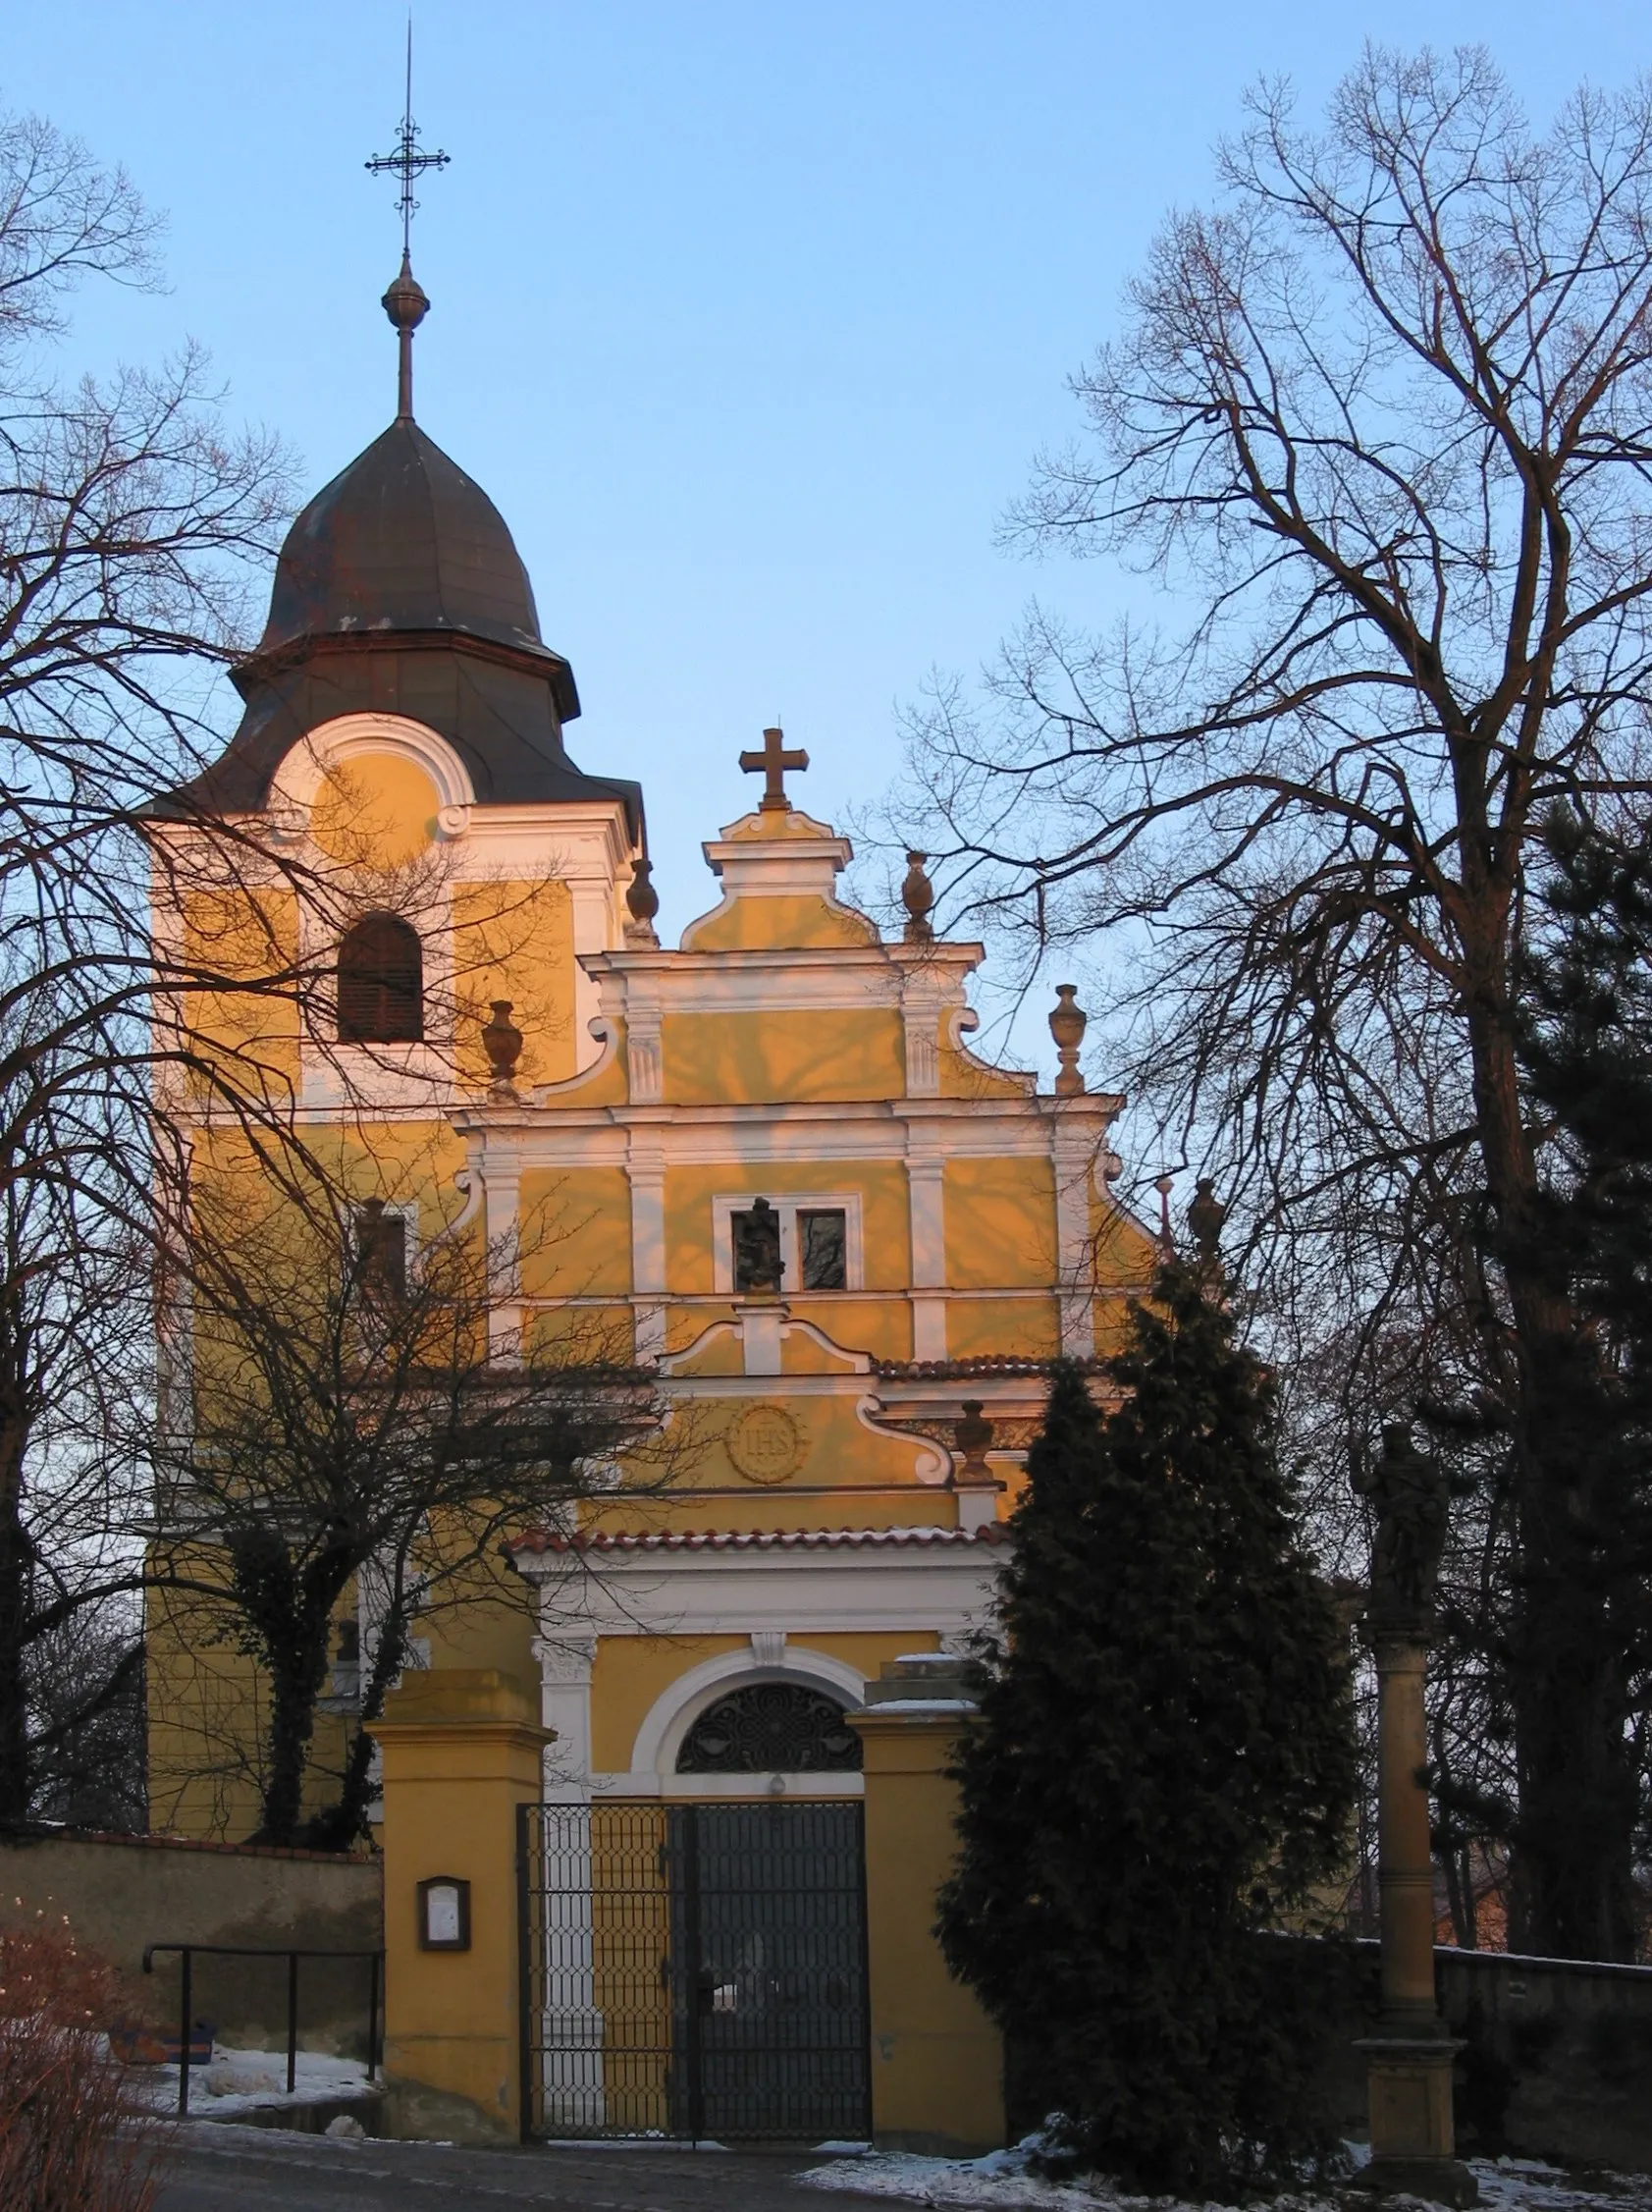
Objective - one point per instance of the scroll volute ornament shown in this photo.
(502, 1039)
(1068, 1022)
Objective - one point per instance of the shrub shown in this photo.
(71, 2140)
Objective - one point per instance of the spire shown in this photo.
(405, 303)
(406, 306)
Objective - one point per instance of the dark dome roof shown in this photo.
(399, 591)
(402, 542)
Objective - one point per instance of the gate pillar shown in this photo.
(936, 2059)
(462, 1750)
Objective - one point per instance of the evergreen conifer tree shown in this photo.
(1162, 1766)
(1584, 1567)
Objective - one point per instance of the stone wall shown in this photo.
(121, 1893)
(1557, 2059)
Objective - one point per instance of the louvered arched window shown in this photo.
(381, 983)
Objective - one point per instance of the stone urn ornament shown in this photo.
(917, 896)
(972, 1434)
(502, 1039)
(974, 1483)
(642, 903)
(1205, 1216)
(1068, 1022)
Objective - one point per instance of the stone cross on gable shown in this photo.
(772, 762)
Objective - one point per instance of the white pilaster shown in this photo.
(762, 1325)
(645, 1166)
(927, 989)
(645, 1066)
(1073, 1143)
(564, 1704)
(571, 2058)
(925, 1173)
(592, 897)
(501, 1182)
(977, 1508)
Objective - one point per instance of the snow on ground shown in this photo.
(1003, 2181)
(1527, 2185)
(237, 2081)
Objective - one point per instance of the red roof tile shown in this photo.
(756, 1540)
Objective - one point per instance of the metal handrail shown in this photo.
(189, 1952)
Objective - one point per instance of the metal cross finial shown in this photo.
(410, 158)
(773, 762)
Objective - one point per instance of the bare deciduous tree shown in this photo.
(1381, 421)
(130, 519)
(349, 1443)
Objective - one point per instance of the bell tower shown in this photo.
(402, 655)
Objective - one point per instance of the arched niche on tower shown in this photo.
(370, 785)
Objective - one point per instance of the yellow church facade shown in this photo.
(761, 1164)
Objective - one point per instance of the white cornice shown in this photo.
(805, 979)
(823, 1130)
(961, 956)
(804, 1589)
(591, 833)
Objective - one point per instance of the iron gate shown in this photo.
(694, 1971)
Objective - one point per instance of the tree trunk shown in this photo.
(17, 1564)
(344, 1822)
(1574, 1838)
(1573, 1865)
(295, 1681)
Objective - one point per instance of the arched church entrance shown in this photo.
(696, 1968)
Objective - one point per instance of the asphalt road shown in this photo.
(225, 2169)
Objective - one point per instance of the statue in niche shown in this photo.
(1409, 1493)
(757, 1249)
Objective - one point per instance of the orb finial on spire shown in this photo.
(406, 306)
(405, 303)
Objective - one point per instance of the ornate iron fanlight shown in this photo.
(772, 1728)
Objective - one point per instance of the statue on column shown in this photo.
(1410, 1492)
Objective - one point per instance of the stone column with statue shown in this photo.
(1409, 2062)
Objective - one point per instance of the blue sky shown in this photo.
(749, 318)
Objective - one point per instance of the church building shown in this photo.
(780, 1179)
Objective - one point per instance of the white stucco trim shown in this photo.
(787, 1204)
(677, 1707)
(752, 1788)
(752, 1137)
(903, 1590)
(295, 783)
